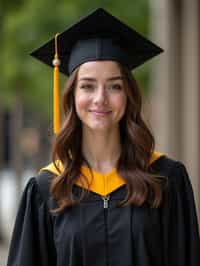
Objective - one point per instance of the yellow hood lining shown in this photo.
(102, 184)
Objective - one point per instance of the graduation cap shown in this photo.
(97, 36)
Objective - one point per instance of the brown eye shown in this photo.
(86, 87)
(116, 87)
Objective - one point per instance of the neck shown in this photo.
(101, 149)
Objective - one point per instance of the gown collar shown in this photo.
(102, 184)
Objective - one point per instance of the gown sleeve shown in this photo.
(181, 234)
(32, 241)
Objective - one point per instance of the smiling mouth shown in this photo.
(100, 113)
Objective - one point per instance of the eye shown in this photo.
(116, 87)
(87, 86)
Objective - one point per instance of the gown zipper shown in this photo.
(105, 201)
(105, 206)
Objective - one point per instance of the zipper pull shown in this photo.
(105, 201)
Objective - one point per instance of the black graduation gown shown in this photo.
(97, 233)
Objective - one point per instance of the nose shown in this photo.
(100, 96)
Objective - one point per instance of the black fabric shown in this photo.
(32, 241)
(90, 235)
(98, 36)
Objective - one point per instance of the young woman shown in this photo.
(108, 198)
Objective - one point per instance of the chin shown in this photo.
(100, 127)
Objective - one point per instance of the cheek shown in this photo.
(119, 103)
(81, 102)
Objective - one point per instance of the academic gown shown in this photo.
(98, 233)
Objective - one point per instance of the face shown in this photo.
(100, 98)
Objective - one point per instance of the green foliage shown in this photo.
(28, 24)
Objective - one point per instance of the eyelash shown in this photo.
(86, 87)
(116, 87)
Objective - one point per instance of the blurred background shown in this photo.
(170, 86)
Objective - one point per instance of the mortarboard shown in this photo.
(97, 36)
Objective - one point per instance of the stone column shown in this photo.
(165, 115)
(175, 84)
(191, 92)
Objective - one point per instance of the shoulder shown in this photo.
(166, 165)
(176, 173)
(37, 187)
(43, 180)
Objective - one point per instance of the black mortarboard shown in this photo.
(97, 36)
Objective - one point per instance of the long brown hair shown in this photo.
(137, 146)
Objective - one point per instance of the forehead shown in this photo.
(104, 69)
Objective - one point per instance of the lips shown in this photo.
(100, 112)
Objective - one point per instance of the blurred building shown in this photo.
(176, 84)
(25, 140)
(25, 147)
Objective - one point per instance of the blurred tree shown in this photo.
(29, 23)
(26, 24)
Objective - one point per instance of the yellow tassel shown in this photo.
(56, 100)
(56, 92)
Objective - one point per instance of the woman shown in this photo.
(108, 198)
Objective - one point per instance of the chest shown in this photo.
(98, 226)
(101, 214)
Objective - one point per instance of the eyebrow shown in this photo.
(109, 79)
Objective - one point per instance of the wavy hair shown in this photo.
(137, 146)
